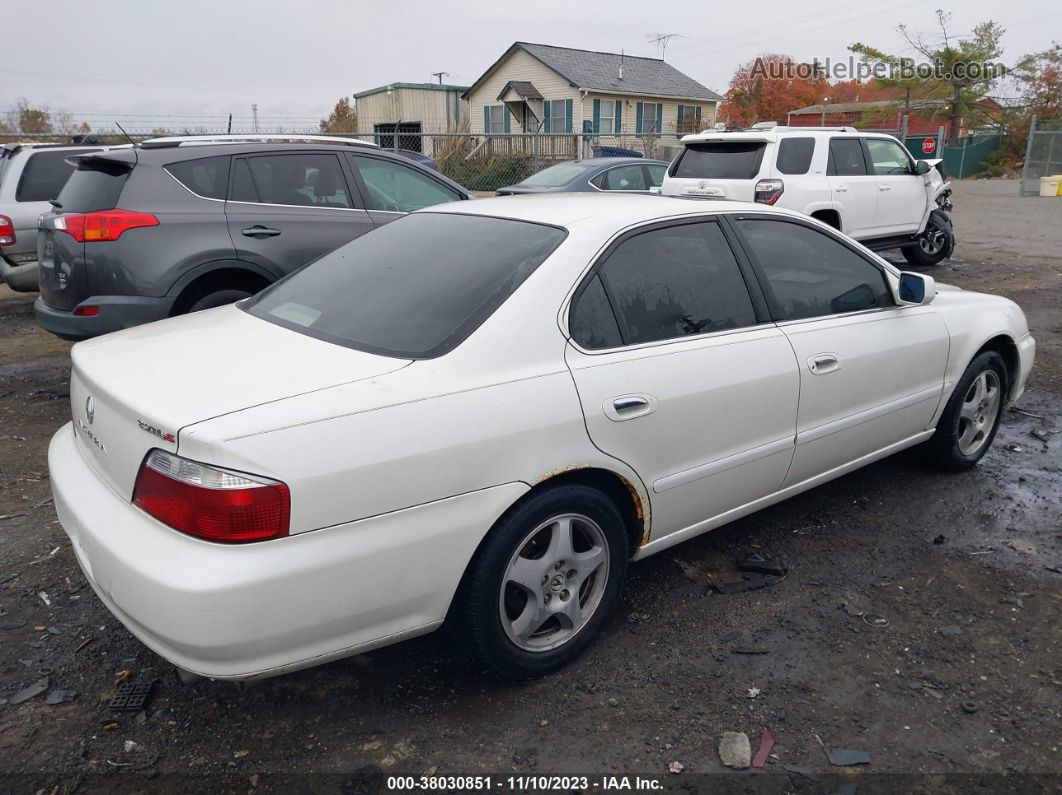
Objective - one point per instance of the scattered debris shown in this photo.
(1015, 448)
(1026, 413)
(766, 744)
(969, 707)
(1055, 569)
(83, 644)
(675, 767)
(749, 582)
(951, 631)
(60, 697)
(763, 566)
(131, 696)
(1042, 435)
(7, 578)
(801, 772)
(875, 620)
(129, 746)
(754, 692)
(844, 757)
(43, 502)
(13, 625)
(750, 650)
(734, 750)
(27, 693)
(44, 598)
(940, 539)
(13, 515)
(55, 630)
(241, 754)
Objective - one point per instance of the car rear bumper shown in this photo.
(20, 276)
(256, 610)
(115, 313)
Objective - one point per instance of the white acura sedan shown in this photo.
(480, 413)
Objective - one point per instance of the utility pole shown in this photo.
(254, 116)
(230, 124)
(661, 40)
(440, 75)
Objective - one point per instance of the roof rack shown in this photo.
(235, 138)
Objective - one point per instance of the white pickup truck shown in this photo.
(865, 184)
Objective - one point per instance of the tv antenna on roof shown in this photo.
(661, 40)
(440, 75)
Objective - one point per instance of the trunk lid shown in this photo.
(726, 167)
(135, 389)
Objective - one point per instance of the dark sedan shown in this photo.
(626, 174)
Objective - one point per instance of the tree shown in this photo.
(28, 119)
(343, 118)
(963, 70)
(1039, 78)
(768, 87)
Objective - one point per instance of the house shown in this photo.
(924, 116)
(539, 88)
(412, 109)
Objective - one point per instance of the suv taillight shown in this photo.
(103, 225)
(7, 231)
(768, 190)
(209, 502)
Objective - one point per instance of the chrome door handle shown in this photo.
(884, 187)
(260, 231)
(840, 188)
(822, 363)
(629, 404)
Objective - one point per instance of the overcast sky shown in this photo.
(146, 62)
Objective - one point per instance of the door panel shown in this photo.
(720, 432)
(853, 187)
(901, 193)
(288, 209)
(885, 387)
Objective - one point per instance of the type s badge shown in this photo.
(166, 437)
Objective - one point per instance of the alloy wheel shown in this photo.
(978, 412)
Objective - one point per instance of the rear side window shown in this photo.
(794, 155)
(810, 273)
(626, 178)
(720, 160)
(671, 282)
(95, 185)
(414, 288)
(300, 180)
(207, 177)
(592, 322)
(846, 158)
(44, 175)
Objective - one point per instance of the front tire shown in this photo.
(219, 298)
(543, 582)
(934, 244)
(972, 415)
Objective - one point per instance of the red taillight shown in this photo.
(768, 191)
(211, 503)
(7, 231)
(104, 225)
(89, 310)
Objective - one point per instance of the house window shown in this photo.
(558, 116)
(497, 120)
(689, 118)
(650, 111)
(607, 118)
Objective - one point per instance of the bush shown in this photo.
(486, 173)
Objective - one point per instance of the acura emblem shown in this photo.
(703, 183)
(90, 409)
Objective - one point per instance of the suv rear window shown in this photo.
(415, 288)
(44, 175)
(95, 185)
(720, 160)
(207, 177)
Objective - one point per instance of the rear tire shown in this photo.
(543, 582)
(218, 298)
(972, 415)
(934, 245)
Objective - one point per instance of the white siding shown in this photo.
(436, 111)
(522, 66)
(629, 114)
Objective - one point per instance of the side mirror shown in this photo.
(922, 167)
(654, 189)
(916, 289)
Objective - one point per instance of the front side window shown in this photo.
(398, 188)
(413, 288)
(888, 157)
(302, 180)
(846, 158)
(626, 178)
(670, 282)
(719, 160)
(44, 175)
(810, 273)
(207, 177)
(794, 155)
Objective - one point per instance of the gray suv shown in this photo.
(30, 176)
(176, 225)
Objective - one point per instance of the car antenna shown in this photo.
(116, 124)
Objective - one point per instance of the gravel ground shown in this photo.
(919, 623)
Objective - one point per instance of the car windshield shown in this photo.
(415, 288)
(720, 160)
(558, 175)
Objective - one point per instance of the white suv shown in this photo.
(865, 184)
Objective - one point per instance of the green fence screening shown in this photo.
(960, 161)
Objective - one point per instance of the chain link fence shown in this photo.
(1043, 154)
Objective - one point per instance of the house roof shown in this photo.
(881, 104)
(418, 86)
(599, 71)
(523, 88)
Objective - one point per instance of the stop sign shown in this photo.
(928, 145)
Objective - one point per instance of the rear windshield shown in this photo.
(720, 160)
(558, 175)
(415, 288)
(95, 185)
(44, 175)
